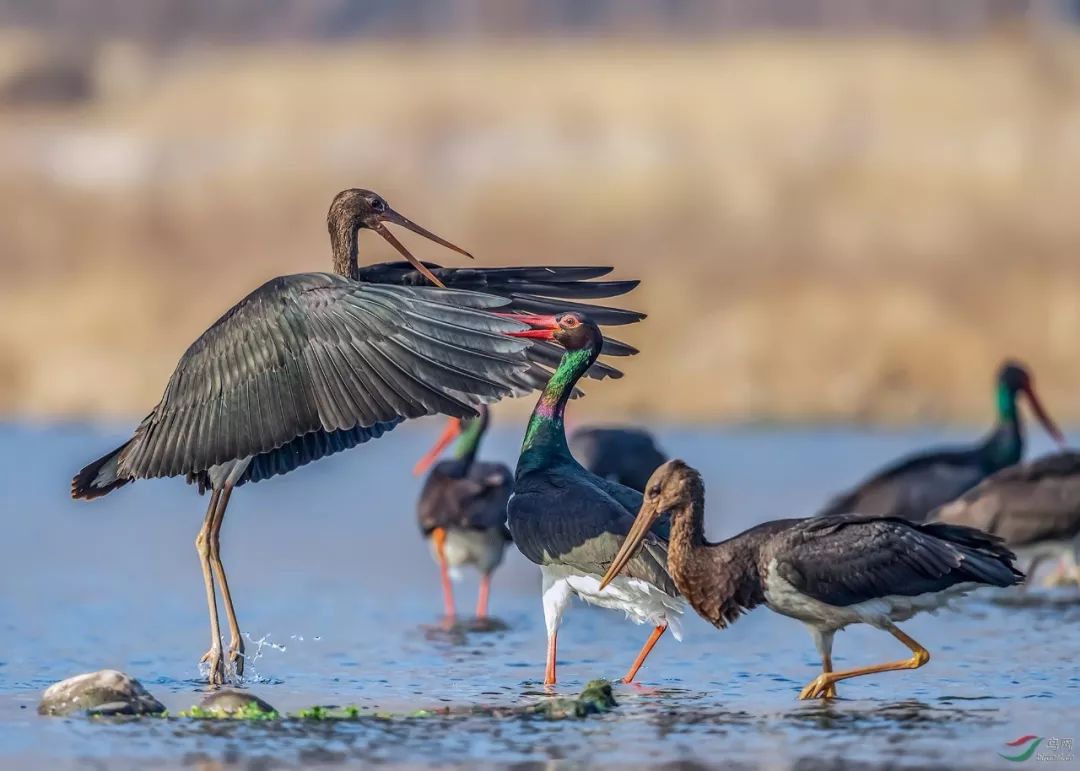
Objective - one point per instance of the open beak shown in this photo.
(389, 215)
(645, 520)
(1044, 418)
(543, 327)
(453, 428)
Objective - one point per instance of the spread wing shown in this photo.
(320, 353)
(542, 290)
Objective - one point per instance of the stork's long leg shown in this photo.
(439, 536)
(202, 546)
(556, 596)
(236, 641)
(823, 639)
(817, 687)
(645, 650)
(549, 669)
(482, 598)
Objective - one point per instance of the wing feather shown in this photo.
(847, 559)
(321, 354)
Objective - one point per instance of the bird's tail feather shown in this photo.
(986, 557)
(100, 477)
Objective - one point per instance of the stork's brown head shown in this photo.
(356, 208)
(674, 486)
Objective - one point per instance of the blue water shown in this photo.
(329, 572)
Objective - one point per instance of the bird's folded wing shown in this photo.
(318, 352)
(844, 559)
(582, 527)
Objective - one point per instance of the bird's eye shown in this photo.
(570, 321)
(377, 204)
(654, 491)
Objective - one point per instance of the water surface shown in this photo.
(341, 602)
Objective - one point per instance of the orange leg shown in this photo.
(482, 599)
(819, 687)
(439, 534)
(645, 650)
(826, 668)
(549, 673)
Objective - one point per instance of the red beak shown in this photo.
(450, 432)
(543, 327)
(1044, 418)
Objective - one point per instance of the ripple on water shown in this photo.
(1002, 665)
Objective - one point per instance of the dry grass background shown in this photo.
(827, 229)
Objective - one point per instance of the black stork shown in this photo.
(462, 508)
(624, 454)
(308, 365)
(571, 522)
(1034, 507)
(828, 572)
(914, 486)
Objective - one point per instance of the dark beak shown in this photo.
(453, 428)
(1040, 413)
(645, 520)
(543, 327)
(389, 215)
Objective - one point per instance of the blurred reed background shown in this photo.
(840, 210)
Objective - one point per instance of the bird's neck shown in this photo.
(545, 436)
(343, 242)
(719, 580)
(469, 442)
(1005, 445)
(688, 526)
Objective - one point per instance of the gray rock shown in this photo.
(106, 692)
(228, 701)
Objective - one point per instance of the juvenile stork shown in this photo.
(1034, 507)
(828, 572)
(311, 364)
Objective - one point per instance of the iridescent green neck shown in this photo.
(1006, 403)
(546, 432)
(469, 442)
(1005, 444)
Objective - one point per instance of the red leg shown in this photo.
(482, 599)
(549, 673)
(644, 653)
(439, 534)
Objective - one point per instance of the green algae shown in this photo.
(249, 711)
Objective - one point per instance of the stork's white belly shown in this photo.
(784, 598)
(483, 549)
(639, 600)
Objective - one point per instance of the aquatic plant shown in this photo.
(249, 711)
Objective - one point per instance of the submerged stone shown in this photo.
(595, 698)
(233, 703)
(106, 692)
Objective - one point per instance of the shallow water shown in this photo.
(331, 575)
